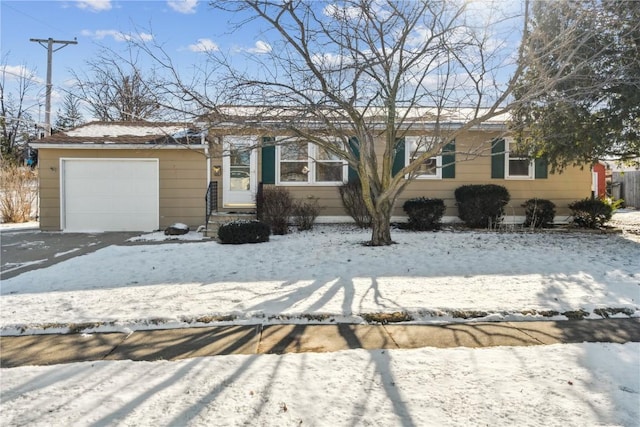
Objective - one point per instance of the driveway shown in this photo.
(30, 249)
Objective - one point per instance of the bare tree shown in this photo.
(374, 70)
(116, 88)
(17, 85)
(364, 69)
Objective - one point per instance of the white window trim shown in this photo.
(410, 147)
(507, 157)
(311, 164)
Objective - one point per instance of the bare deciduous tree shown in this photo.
(365, 69)
(117, 89)
(17, 85)
(374, 70)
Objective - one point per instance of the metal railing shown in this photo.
(211, 200)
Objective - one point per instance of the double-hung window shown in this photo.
(518, 165)
(302, 162)
(431, 167)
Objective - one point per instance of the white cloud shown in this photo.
(203, 45)
(118, 36)
(15, 72)
(260, 47)
(183, 6)
(94, 5)
(342, 12)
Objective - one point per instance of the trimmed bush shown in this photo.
(351, 195)
(305, 214)
(539, 213)
(424, 214)
(481, 206)
(275, 207)
(239, 232)
(590, 213)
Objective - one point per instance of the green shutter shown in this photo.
(497, 159)
(449, 160)
(541, 166)
(268, 160)
(398, 160)
(355, 147)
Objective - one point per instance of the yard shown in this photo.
(326, 275)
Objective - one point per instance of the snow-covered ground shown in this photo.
(327, 274)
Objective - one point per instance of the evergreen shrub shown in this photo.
(424, 213)
(590, 213)
(481, 206)
(239, 232)
(539, 213)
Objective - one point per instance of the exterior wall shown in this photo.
(562, 189)
(572, 184)
(183, 182)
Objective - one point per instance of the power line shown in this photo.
(49, 46)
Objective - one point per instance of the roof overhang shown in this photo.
(92, 146)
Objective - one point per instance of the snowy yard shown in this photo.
(326, 275)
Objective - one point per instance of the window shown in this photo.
(518, 165)
(301, 162)
(430, 168)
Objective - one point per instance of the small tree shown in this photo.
(70, 115)
(16, 124)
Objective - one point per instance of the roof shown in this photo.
(152, 133)
(267, 116)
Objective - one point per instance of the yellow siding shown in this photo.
(183, 182)
(573, 184)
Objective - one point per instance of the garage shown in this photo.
(109, 194)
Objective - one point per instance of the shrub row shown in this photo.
(479, 206)
(276, 208)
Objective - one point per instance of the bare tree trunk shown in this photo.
(381, 227)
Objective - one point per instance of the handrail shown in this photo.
(211, 200)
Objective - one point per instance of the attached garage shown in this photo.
(109, 194)
(118, 176)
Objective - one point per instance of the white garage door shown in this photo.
(109, 194)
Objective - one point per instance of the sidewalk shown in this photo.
(175, 344)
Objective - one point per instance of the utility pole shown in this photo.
(49, 46)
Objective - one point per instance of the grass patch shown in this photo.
(607, 312)
(384, 318)
(468, 314)
(575, 314)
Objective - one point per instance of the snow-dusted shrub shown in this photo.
(590, 213)
(481, 206)
(539, 213)
(424, 213)
(238, 232)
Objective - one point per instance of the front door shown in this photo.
(239, 171)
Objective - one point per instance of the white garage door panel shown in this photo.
(110, 195)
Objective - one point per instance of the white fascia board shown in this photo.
(91, 146)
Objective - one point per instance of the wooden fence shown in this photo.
(629, 183)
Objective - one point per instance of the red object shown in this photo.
(601, 172)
